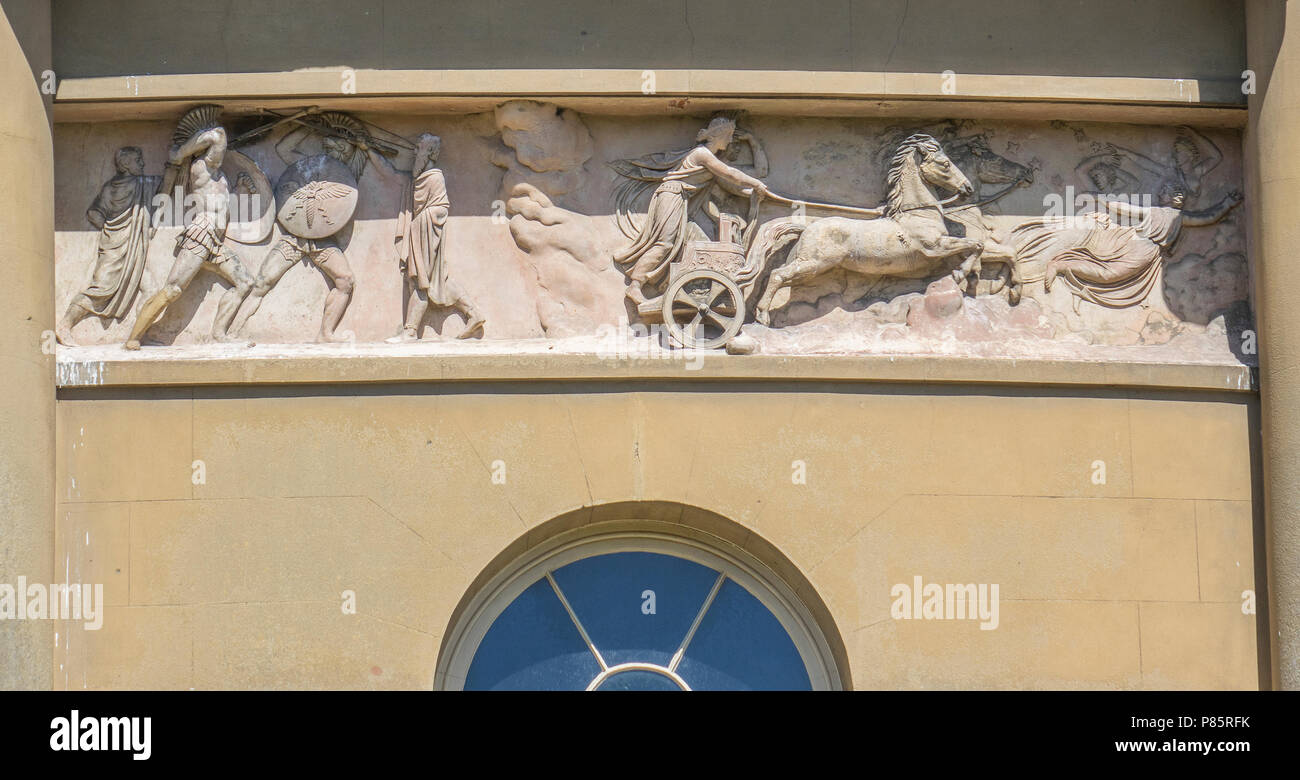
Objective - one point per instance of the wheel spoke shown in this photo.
(719, 320)
(692, 330)
(702, 308)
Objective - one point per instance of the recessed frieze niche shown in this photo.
(233, 235)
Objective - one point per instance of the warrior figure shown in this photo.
(311, 187)
(198, 151)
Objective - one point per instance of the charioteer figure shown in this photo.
(683, 181)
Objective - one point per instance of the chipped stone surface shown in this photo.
(532, 231)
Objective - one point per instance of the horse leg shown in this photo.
(946, 246)
(1017, 283)
(969, 267)
(1001, 281)
(801, 269)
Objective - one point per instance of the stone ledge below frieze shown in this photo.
(549, 361)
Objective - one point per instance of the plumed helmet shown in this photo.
(197, 120)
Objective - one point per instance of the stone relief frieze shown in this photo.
(783, 235)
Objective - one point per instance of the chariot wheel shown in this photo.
(703, 309)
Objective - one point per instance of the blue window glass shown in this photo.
(740, 646)
(532, 646)
(606, 594)
(636, 621)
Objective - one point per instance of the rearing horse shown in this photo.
(910, 240)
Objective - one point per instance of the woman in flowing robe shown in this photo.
(683, 182)
(1112, 265)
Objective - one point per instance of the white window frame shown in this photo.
(735, 564)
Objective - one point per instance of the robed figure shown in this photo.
(420, 242)
(121, 211)
(1112, 264)
(683, 182)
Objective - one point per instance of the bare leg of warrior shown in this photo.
(183, 270)
(241, 283)
(279, 260)
(334, 264)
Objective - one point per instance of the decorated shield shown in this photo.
(315, 197)
(252, 205)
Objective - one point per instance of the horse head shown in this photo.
(973, 153)
(922, 154)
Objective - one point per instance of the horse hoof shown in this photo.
(1013, 296)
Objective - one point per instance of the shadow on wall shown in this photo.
(1192, 39)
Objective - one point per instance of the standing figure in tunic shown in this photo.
(421, 239)
(121, 213)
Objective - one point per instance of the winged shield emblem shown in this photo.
(316, 197)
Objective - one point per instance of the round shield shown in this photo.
(315, 197)
(252, 206)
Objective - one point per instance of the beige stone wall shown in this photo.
(1272, 180)
(386, 490)
(235, 582)
(26, 312)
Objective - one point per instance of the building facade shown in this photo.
(843, 345)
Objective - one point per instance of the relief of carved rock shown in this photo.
(791, 234)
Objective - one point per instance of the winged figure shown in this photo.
(308, 199)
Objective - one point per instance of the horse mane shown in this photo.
(914, 143)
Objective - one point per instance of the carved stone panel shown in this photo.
(826, 235)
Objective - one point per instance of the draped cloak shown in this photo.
(420, 235)
(682, 185)
(1114, 266)
(119, 260)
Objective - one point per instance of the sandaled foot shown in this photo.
(635, 295)
(475, 326)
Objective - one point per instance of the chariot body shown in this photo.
(704, 300)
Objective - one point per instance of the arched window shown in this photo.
(639, 612)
